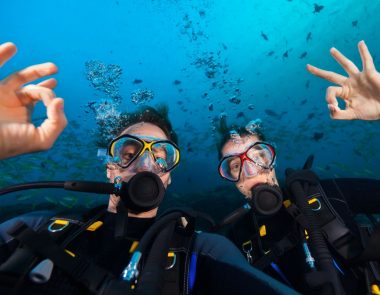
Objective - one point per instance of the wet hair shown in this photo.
(157, 116)
(224, 132)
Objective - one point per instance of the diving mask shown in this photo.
(257, 158)
(151, 154)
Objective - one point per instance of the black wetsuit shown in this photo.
(290, 267)
(348, 196)
(220, 267)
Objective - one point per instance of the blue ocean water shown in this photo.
(205, 59)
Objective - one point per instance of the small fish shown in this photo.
(270, 53)
(137, 81)
(235, 100)
(357, 152)
(265, 37)
(251, 107)
(240, 115)
(210, 107)
(310, 116)
(303, 55)
(180, 102)
(180, 90)
(91, 103)
(286, 54)
(224, 46)
(308, 37)
(317, 8)
(177, 82)
(303, 102)
(204, 95)
(318, 135)
(273, 113)
(354, 23)
(202, 13)
(307, 84)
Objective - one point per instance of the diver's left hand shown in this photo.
(17, 134)
(360, 90)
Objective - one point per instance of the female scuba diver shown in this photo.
(304, 234)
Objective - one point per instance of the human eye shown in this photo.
(128, 153)
(159, 151)
(234, 165)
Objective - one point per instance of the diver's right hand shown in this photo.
(17, 134)
(360, 90)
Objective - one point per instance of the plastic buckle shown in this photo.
(171, 254)
(59, 225)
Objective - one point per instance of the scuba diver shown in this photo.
(304, 235)
(100, 251)
(124, 248)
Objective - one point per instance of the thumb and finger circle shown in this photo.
(336, 112)
(34, 93)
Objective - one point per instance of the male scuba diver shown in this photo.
(125, 249)
(295, 234)
(304, 234)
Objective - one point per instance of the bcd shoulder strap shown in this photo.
(333, 227)
(60, 230)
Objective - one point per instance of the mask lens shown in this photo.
(230, 168)
(125, 150)
(261, 154)
(166, 155)
(250, 169)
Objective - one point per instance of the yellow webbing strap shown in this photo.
(70, 253)
(61, 221)
(375, 289)
(94, 226)
(133, 246)
(263, 230)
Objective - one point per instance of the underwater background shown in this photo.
(243, 59)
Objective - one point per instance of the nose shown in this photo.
(249, 169)
(144, 162)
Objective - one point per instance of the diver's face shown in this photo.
(145, 131)
(247, 182)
